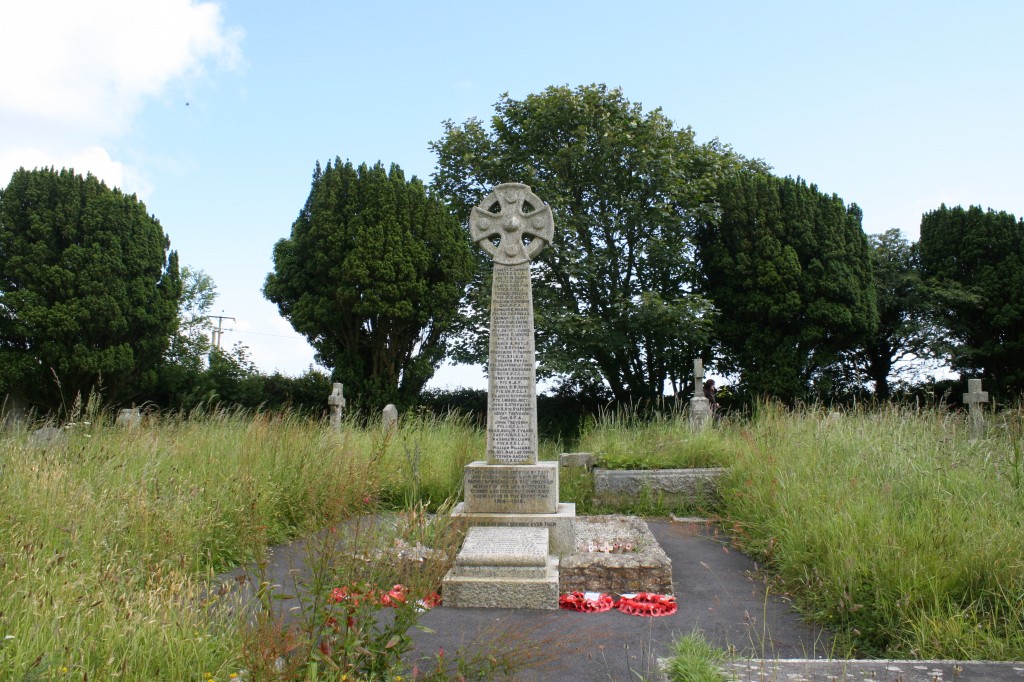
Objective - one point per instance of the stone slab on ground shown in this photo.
(585, 460)
(561, 536)
(511, 488)
(618, 486)
(503, 568)
(615, 555)
(818, 670)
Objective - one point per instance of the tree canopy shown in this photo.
(789, 268)
(614, 301)
(88, 291)
(907, 335)
(372, 276)
(974, 260)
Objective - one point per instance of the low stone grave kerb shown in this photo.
(615, 555)
(670, 486)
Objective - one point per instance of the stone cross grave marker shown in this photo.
(700, 410)
(974, 399)
(512, 225)
(336, 402)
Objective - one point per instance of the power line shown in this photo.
(280, 336)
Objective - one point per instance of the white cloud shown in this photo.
(93, 159)
(80, 70)
(89, 63)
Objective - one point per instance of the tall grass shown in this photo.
(107, 543)
(893, 527)
(626, 440)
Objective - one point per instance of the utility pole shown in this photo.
(217, 334)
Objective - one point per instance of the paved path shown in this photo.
(719, 592)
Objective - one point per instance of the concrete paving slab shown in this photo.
(803, 670)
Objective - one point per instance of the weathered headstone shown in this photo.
(389, 419)
(512, 489)
(128, 418)
(15, 412)
(336, 403)
(48, 437)
(975, 398)
(700, 409)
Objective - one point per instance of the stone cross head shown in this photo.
(974, 393)
(512, 224)
(698, 371)
(337, 396)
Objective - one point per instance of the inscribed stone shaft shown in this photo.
(512, 225)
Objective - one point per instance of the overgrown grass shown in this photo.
(893, 527)
(625, 440)
(107, 543)
(695, 660)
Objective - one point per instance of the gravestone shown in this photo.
(336, 403)
(15, 412)
(975, 398)
(700, 409)
(128, 418)
(511, 488)
(389, 419)
(48, 437)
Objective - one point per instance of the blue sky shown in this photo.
(216, 112)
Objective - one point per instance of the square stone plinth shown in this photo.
(559, 525)
(501, 567)
(511, 488)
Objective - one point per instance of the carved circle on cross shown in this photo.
(512, 224)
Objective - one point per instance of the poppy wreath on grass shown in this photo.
(586, 602)
(647, 604)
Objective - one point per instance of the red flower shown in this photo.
(397, 593)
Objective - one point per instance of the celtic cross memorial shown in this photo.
(512, 225)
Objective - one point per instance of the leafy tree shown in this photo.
(789, 268)
(612, 294)
(232, 379)
(372, 275)
(974, 260)
(181, 372)
(88, 291)
(906, 335)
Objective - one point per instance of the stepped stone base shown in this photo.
(560, 527)
(503, 568)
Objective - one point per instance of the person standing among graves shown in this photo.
(711, 394)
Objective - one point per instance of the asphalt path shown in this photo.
(719, 590)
